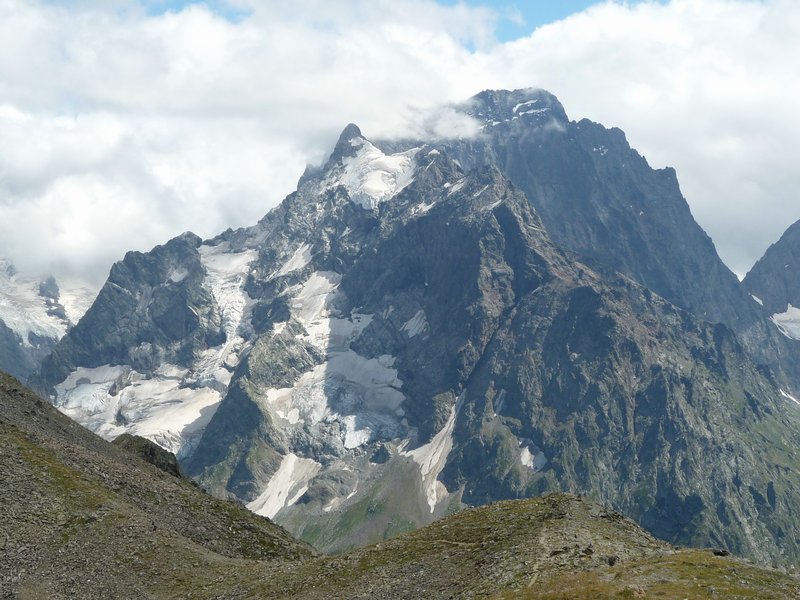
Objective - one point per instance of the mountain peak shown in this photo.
(510, 105)
(369, 176)
(350, 132)
(350, 140)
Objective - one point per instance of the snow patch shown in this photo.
(480, 191)
(76, 299)
(523, 104)
(788, 322)
(534, 111)
(457, 186)
(112, 400)
(535, 459)
(177, 275)
(298, 260)
(790, 397)
(371, 177)
(416, 324)
(286, 486)
(494, 205)
(432, 458)
(422, 208)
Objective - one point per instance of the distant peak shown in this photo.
(350, 132)
(349, 141)
(506, 105)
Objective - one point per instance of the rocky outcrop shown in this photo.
(149, 452)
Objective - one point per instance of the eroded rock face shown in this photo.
(401, 336)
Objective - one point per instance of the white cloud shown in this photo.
(120, 129)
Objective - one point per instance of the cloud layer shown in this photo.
(120, 128)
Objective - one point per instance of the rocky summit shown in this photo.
(427, 325)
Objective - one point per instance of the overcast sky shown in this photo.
(124, 123)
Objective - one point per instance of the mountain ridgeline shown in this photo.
(427, 325)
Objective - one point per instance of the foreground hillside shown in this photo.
(80, 518)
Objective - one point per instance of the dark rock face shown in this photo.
(152, 309)
(149, 452)
(600, 199)
(15, 357)
(775, 278)
(411, 339)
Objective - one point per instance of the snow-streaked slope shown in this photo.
(226, 273)
(26, 310)
(367, 389)
(171, 405)
(371, 177)
(298, 260)
(286, 486)
(432, 458)
(788, 322)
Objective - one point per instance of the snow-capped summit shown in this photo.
(369, 176)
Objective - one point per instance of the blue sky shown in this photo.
(516, 18)
(521, 17)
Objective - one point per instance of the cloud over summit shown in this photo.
(121, 126)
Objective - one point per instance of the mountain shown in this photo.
(774, 282)
(34, 315)
(599, 199)
(401, 337)
(82, 518)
